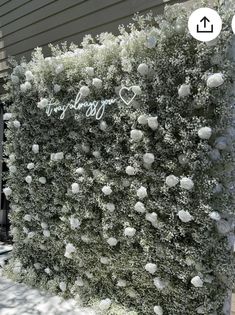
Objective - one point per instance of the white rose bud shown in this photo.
(172, 181)
(43, 103)
(143, 69)
(151, 268)
(107, 190)
(110, 207)
(63, 286)
(7, 191)
(197, 282)
(112, 241)
(148, 158)
(215, 216)
(35, 148)
(130, 170)
(158, 310)
(136, 135)
(30, 166)
(139, 207)
(75, 188)
(186, 183)
(42, 180)
(97, 83)
(184, 90)
(29, 75)
(7, 116)
(205, 133)
(121, 283)
(46, 233)
(136, 89)
(16, 124)
(129, 231)
(142, 192)
(159, 284)
(90, 71)
(57, 88)
(153, 123)
(28, 179)
(105, 304)
(215, 80)
(185, 216)
(44, 225)
(84, 90)
(143, 119)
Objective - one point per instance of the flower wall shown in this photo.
(128, 203)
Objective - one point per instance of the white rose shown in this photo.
(171, 181)
(74, 223)
(46, 233)
(80, 171)
(90, 71)
(28, 75)
(215, 80)
(148, 158)
(7, 116)
(56, 88)
(37, 266)
(121, 283)
(69, 250)
(104, 305)
(185, 216)
(143, 69)
(84, 90)
(107, 190)
(7, 191)
(24, 87)
(215, 216)
(79, 282)
(30, 166)
(43, 103)
(186, 183)
(16, 124)
(97, 83)
(27, 217)
(59, 156)
(75, 188)
(159, 284)
(197, 282)
(136, 135)
(143, 119)
(139, 207)
(47, 270)
(110, 207)
(42, 180)
(63, 286)
(153, 123)
(205, 133)
(104, 260)
(112, 241)
(28, 179)
(151, 268)
(142, 192)
(130, 170)
(103, 125)
(151, 217)
(136, 89)
(158, 310)
(35, 148)
(129, 231)
(184, 90)
(44, 225)
(15, 79)
(12, 169)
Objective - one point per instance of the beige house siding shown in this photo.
(26, 24)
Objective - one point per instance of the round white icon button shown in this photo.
(205, 24)
(233, 24)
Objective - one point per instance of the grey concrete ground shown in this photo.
(18, 299)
